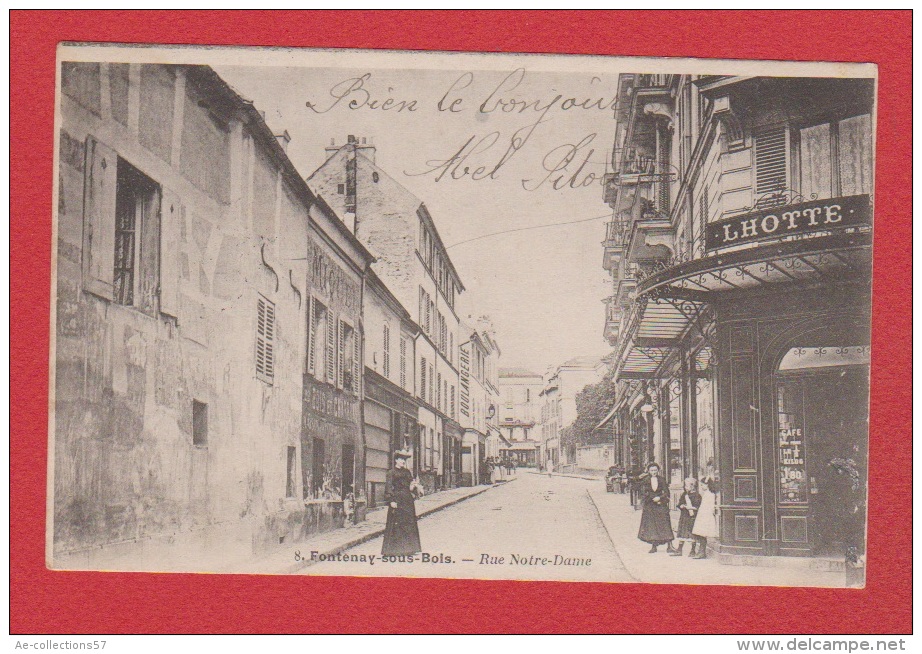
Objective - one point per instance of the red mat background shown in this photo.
(42, 601)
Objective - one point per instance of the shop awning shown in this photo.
(657, 326)
(828, 258)
(608, 416)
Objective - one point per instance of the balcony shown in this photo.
(625, 292)
(651, 240)
(613, 246)
(612, 320)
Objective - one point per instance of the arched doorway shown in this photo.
(821, 389)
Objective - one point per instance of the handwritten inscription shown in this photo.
(483, 156)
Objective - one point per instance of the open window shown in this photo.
(121, 247)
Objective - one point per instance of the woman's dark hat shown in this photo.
(402, 454)
(652, 464)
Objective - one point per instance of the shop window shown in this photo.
(265, 339)
(199, 424)
(704, 406)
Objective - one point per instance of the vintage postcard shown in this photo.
(558, 318)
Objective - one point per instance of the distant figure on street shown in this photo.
(550, 468)
(655, 526)
(689, 502)
(706, 521)
(401, 533)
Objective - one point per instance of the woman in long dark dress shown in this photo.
(655, 526)
(401, 533)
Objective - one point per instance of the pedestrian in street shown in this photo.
(706, 521)
(401, 533)
(689, 502)
(655, 525)
(550, 468)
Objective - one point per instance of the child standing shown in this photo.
(706, 521)
(689, 502)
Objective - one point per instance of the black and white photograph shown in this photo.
(466, 316)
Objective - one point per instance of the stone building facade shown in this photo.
(207, 377)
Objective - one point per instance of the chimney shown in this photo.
(284, 139)
(361, 144)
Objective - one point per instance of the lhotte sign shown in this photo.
(793, 219)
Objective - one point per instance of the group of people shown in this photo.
(697, 514)
(501, 467)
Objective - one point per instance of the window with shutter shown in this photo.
(311, 335)
(265, 339)
(429, 308)
(341, 353)
(438, 391)
(703, 211)
(431, 393)
(403, 363)
(386, 363)
(100, 180)
(331, 348)
(422, 379)
(771, 167)
(356, 362)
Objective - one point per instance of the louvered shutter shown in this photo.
(311, 336)
(387, 350)
(341, 354)
(771, 167)
(403, 362)
(331, 347)
(265, 339)
(422, 379)
(171, 213)
(99, 191)
(356, 362)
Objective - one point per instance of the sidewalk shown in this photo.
(622, 523)
(283, 560)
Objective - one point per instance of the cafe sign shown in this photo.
(805, 218)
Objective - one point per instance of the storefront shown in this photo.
(754, 366)
(796, 410)
(390, 425)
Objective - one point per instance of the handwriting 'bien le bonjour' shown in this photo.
(483, 157)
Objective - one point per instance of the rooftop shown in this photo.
(517, 372)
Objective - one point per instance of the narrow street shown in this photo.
(531, 528)
(556, 529)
